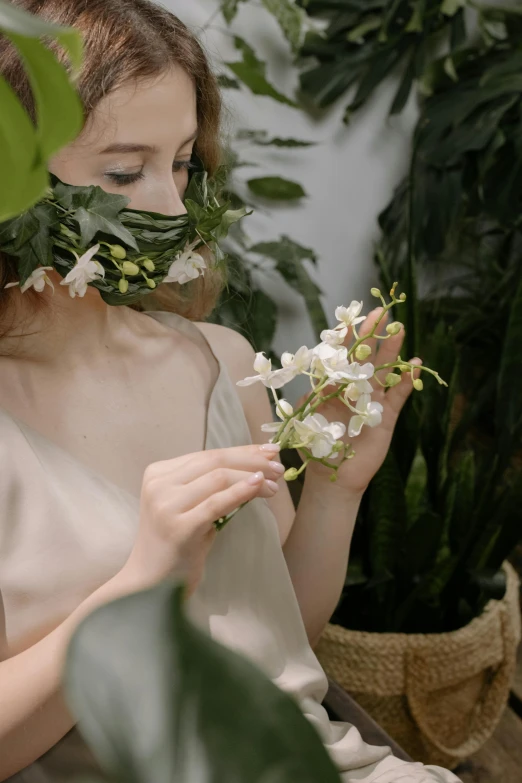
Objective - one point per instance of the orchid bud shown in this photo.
(149, 265)
(130, 268)
(362, 351)
(418, 384)
(394, 328)
(117, 251)
(392, 379)
(405, 368)
(402, 297)
(123, 285)
(151, 283)
(291, 474)
(375, 292)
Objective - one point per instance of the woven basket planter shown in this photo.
(440, 696)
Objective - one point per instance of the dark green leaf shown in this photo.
(289, 257)
(263, 317)
(100, 213)
(159, 701)
(229, 9)
(387, 517)
(276, 188)
(416, 487)
(226, 82)
(251, 72)
(509, 398)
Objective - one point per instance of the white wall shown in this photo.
(349, 178)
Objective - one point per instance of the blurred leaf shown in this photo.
(229, 9)
(251, 72)
(54, 96)
(290, 19)
(450, 7)
(194, 695)
(263, 320)
(420, 545)
(415, 489)
(387, 518)
(15, 20)
(289, 257)
(509, 398)
(227, 83)
(276, 188)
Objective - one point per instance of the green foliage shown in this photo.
(160, 701)
(366, 40)
(452, 215)
(25, 148)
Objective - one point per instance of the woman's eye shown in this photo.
(123, 179)
(182, 165)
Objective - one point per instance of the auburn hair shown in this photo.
(124, 40)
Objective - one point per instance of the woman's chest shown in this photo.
(116, 425)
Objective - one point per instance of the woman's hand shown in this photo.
(180, 501)
(372, 445)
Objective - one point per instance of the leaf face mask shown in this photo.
(91, 238)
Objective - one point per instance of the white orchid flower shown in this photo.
(368, 413)
(355, 389)
(83, 272)
(321, 436)
(349, 316)
(36, 280)
(273, 379)
(335, 337)
(330, 361)
(283, 411)
(187, 265)
(299, 362)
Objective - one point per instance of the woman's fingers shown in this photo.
(219, 504)
(220, 480)
(251, 458)
(389, 350)
(396, 396)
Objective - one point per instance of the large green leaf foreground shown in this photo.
(26, 148)
(158, 701)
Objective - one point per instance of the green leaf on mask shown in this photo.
(100, 213)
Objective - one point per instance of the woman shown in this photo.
(84, 517)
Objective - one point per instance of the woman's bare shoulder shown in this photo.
(231, 348)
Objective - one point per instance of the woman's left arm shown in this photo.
(316, 538)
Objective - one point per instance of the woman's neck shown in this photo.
(66, 332)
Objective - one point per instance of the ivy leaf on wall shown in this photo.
(251, 71)
(289, 257)
(276, 188)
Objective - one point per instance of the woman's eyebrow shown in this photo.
(123, 148)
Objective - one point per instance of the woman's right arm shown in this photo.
(180, 499)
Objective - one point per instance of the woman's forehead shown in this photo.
(154, 113)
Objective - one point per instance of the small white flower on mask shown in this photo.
(36, 280)
(83, 272)
(188, 265)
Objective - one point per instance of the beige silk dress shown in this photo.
(64, 530)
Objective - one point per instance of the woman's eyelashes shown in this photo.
(121, 178)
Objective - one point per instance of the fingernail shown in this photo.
(277, 467)
(272, 484)
(256, 478)
(270, 448)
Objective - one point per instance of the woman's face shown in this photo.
(137, 142)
